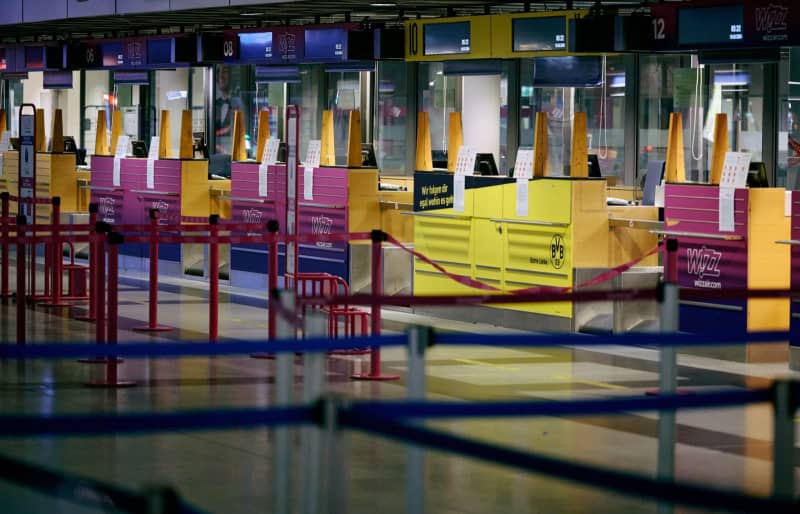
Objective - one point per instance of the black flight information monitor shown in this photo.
(710, 25)
(539, 34)
(447, 38)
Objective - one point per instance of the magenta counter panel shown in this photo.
(706, 262)
(247, 205)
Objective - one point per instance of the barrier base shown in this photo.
(62, 303)
(97, 360)
(103, 384)
(375, 378)
(262, 355)
(156, 328)
(355, 351)
(85, 317)
(657, 392)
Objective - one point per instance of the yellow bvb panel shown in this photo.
(164, 136)
(186, 142)
(720, 147)
(263, 133)
(327, 149)
(675, 167)
(424, 160)
(455, 139)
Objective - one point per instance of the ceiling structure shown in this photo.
(287, 12)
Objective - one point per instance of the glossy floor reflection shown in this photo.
(230, 471)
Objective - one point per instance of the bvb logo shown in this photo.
(557, 251)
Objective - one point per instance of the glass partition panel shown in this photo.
(391, 117)
(344, 96)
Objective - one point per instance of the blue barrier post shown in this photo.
(419, 338)
(784, 406)
(313, 385)
(284, 378)
(668, 364)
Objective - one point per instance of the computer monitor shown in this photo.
(139, 149)
(655, 173)
(219, 164)
(484, 164)
(80, 157)
(368, 155)
(594, 166)
(757, 175)
(14, 141)
(69, 145)
(281, 152)
(439, 159)
(199, 145)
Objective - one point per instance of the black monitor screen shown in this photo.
(447, 38)
(484, 164)
(567, 71)
(710, 25)
(139, 149)
(69, 145)
(368, 155)
(539, 34)
(594, 166)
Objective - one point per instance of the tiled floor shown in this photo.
(230, 471)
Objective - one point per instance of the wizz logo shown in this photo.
(703, 262)
(772, 18)
(287, 46)
(251, 216)
(163, 209)
(322, 225)
(107, 209)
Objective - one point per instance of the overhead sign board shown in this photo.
(466, 37)
(539, 34)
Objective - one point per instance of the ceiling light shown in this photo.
(383, 4)
(251, 13)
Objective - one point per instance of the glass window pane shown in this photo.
(344, 96)
(391, 117)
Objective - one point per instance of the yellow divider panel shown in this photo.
(57, 133)
(3, 125)
(424, 161)
(100, 141)
(187, 148)
(540, 145)
(327, 149)
(354, 140)
(238, 151)
(263, 132)
(163, 140)
(455, 139)
(675, 168)
(41, 140)
(116, 129)
(580, 147)
(720, 147)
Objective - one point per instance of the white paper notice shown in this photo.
(116, 173)
(151, 174)
(308, 183)
(734, 170)
(263, 172)
(155, 142)
(787, 203)
(313, 153)
(465, 162)
(726, 211)
(119, 154)
(271, 151)
(522, 197)
(458, 193)
(523, 167)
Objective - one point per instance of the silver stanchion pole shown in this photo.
(336, 454)
(668, 367)
(284, 378)
(784, 404)
(316, 325)
(419, 338)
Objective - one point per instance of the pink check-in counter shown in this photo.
(179, 188)
(748, 256)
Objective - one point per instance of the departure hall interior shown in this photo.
(399, 256)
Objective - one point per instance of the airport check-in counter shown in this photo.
(56, 175)
(565, 238)
(180, 188)
(746, 257)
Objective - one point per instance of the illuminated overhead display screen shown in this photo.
(447, 38)
(255, 46)
(326, 44)
(112, 54)
(710, 25)
(539, 34)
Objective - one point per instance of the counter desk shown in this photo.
(794, 210)
(341, 200)
(178, 188)
(748, 256)
(564, 238)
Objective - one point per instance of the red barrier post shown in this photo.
(5, 202)
(111, 378)
(90, 316)
(671, 261)
(56, 259)
(21, 260)
(272, 285)
(152, 317)
(378, 237)
(213, 279)
(100, 283)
